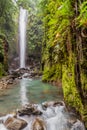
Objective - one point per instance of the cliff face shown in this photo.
(3, 55)
(72, 73)
(65, 52)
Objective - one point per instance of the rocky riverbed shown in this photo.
(18, 74)
(51, 115)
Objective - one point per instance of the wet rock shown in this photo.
(6, 81)
(29, 110)
(72, 118)
(15, 124)
(10, 81)
(38, 124)
(26, 75)
(15, 74)
(37, 112)
(72, 121)
(19, 77)
(30, 72)
(33, 74)
(53, 103)
(3, 85)
(57, 103)
(78, 125)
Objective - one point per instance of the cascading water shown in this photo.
(22, 36)
(54, 117)
(50, 115)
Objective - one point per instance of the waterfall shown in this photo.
(22, 36)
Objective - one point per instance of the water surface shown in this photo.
(28, 90)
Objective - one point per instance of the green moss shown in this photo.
(84, 83)
(71, 93)
(52, 73)
(84, 88)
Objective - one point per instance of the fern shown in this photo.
(82, 18)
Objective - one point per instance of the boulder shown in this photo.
(78, 125)
(53, 103)
(15, 124)
(29, 110)
(38, 124)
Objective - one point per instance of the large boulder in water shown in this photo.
(15, 124)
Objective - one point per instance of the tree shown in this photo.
(7, 29)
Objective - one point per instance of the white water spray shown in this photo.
(22, 36)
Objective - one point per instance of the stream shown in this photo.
(46, 99)
(28, 90)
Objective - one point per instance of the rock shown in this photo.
(29, 110)
(58, 103)
(38, 124)
(72, 118)
(53, 103)
(37, 112)
(15, 74)
(10, 81)
(15, 124)
(6, 81)
(78, 125)
(26, 75)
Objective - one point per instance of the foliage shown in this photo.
(64, 45)
(7, 29)
(23, 3)
(34, 34)
(82, 18)
(52, 73)
(34, 26)
(70, 90)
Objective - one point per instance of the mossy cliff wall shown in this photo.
(74, 86)
(74, 96)
(3, 55)
(64, 52)
(70, 90)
